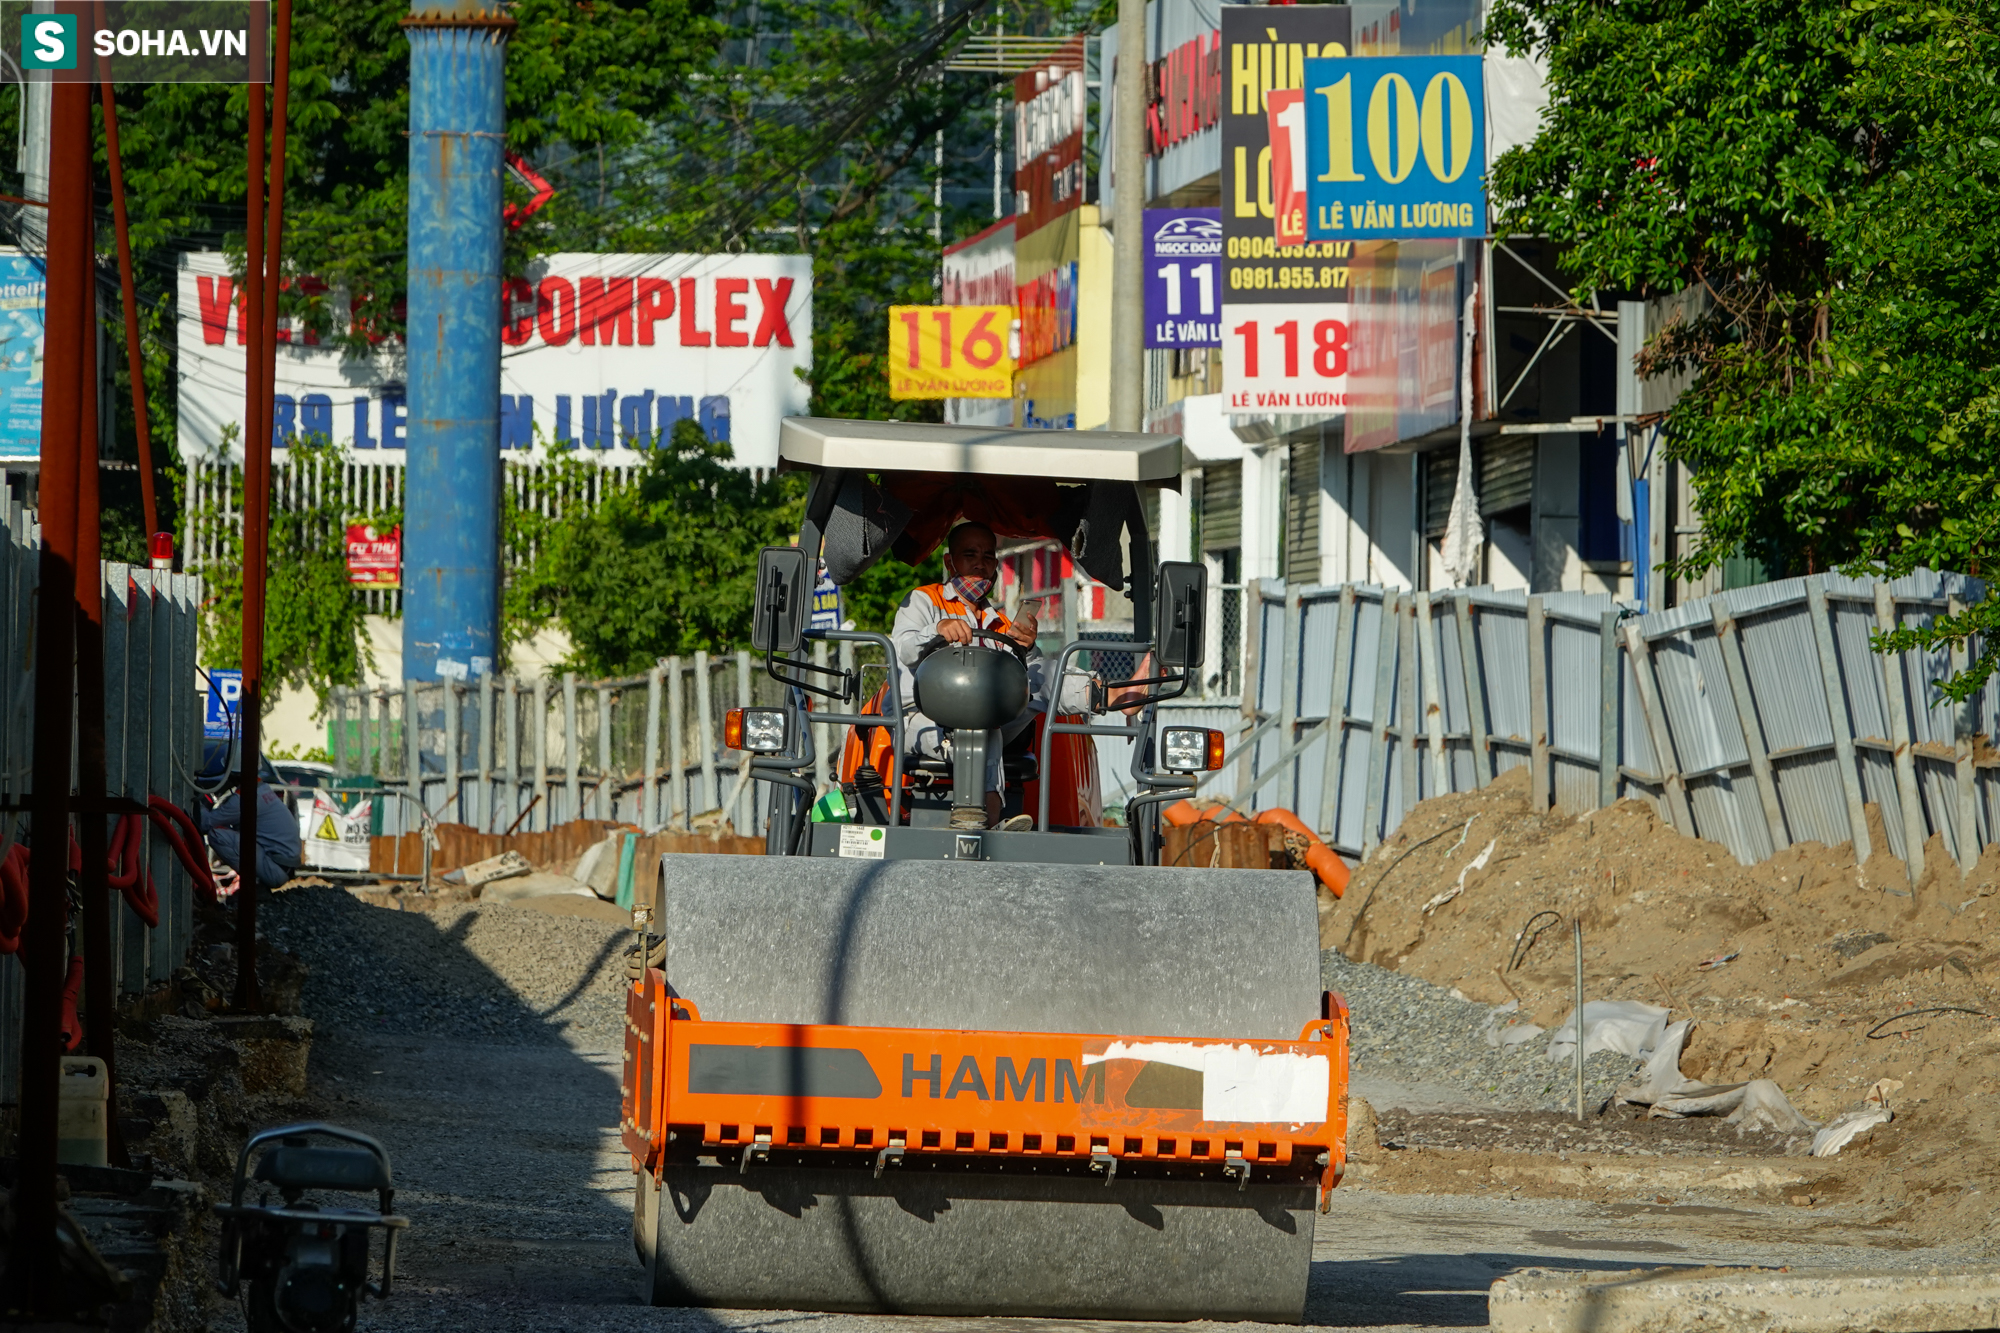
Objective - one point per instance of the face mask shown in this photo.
(972, 590)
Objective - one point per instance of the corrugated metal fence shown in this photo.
(502, 753)
(1756, 718)
(152, 746)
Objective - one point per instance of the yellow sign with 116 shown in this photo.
(950, 351)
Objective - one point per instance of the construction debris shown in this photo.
(507, 864)
(1740, 1300)
(1822, 977)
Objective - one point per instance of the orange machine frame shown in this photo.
(945, 1093)
(1076, 801)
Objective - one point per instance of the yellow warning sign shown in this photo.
(327, 832)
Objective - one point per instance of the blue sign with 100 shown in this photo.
(1395, 147)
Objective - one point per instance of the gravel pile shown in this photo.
(508, 974)
(1406, 1029)
(471, 972)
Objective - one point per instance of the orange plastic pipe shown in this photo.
(1321, 859)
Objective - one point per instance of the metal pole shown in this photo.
(606, 787)
(541, 796)
(677, 801)
(510, 696)
(1576, 932)
(34, 1284)
(704, 722)
(649, 795)
(92, 883)
(1128, 270)
(745, 814)
(458, 121)
(572, 750)
(484, 745)
(33, 160)
(256, 507)
(135, 364)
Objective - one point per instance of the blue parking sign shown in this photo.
(1395, 147)
(225, 691)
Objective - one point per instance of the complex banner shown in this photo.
(1395, 148)
(23, 291)
(1183, 277)
(1284, 308)
(606, 351)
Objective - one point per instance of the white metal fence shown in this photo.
(1757, 718)
(504, 754)
(212, 515)
(152, 746)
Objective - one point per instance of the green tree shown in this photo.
(313, 635)
(1828, 173)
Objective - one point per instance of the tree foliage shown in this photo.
(667, 564)
(313, 634)
(679, 125)
(1828, 174)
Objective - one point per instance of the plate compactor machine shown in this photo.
(911, 1063)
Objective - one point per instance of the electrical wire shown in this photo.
(1525, 939)
(1876, 1034)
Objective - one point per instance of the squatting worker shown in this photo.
(947, 613)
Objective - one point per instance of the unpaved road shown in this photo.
(508, 1163)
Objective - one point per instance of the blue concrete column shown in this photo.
(451, 499)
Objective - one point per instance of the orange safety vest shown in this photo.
(946, 599)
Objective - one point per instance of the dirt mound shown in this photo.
(1786, 966)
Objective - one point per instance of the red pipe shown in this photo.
(135, 362)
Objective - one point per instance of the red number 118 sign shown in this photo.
(1285, 358)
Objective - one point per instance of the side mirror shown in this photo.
(778, 619)
(1182, 610)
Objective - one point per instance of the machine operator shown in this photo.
(940, 613)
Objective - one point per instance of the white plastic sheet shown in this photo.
(1630, 1027)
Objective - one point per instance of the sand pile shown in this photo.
(1785, 966)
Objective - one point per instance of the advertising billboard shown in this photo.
(979, 270)
(23, 293)
(950, 351)
(1050, 104)
(604, 351)
(1183, 277)
(1284, 307)
(1395, 148)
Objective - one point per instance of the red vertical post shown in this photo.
(256, 497)
(135, 363)
(34, 1284)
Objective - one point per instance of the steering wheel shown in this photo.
(979, 632)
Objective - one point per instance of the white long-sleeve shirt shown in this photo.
(916, 628)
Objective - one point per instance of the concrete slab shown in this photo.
(1745, 1300)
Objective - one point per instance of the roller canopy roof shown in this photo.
(914, 446)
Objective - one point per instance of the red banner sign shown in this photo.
(374, 557)
(1050, 106)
